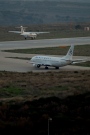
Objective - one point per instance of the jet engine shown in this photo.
(36, 65)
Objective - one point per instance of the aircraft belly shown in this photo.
(55, 64)
(47, 63)
(62, 63)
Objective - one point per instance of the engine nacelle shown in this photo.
(36, 65)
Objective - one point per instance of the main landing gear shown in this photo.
(56, 67)
(46, 67)
(38, 66)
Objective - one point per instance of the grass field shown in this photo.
(27, 99)
(56, 31)
(36, 85)
(80, 50)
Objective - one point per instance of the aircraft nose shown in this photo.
(31, 59)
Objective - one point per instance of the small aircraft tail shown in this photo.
(69, 53)
(22, 29)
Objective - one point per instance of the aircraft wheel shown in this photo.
(46, 67)
(38, 66)
(57, 67)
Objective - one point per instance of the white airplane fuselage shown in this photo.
(49, 61)
(28, 34)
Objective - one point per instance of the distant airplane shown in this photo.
(56, 62)
(31, 35)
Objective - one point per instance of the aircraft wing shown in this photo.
(38, 32)
(15, 31)
(41, 32)
(78, 61)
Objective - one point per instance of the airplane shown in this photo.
(32, 35)
(41, 60)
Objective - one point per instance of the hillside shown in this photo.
(42, 12)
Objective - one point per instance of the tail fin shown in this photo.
(70, 53)
(22, 30)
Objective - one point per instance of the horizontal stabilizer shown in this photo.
(78, 61)
(39, 32)
(15, 31)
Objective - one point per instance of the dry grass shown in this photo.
(35, 85)
(56, 31)
(80, 50)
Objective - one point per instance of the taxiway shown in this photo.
(18, 65)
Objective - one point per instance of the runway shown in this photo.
(19, 65)
(43, 43)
